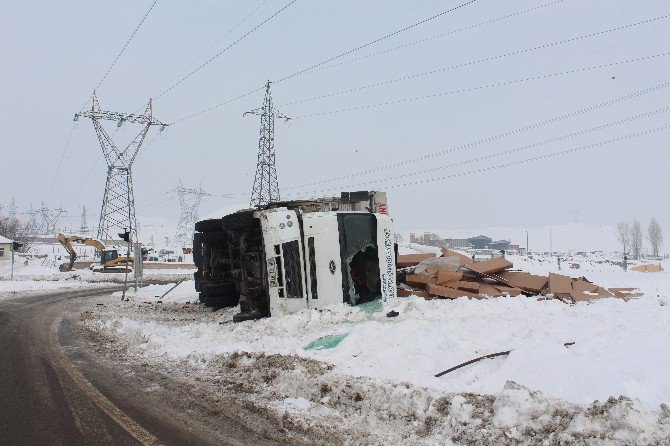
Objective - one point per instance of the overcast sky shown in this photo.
(54, 53)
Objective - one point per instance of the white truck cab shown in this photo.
(289, 256)
(323, 258)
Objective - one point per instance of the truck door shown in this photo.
(284, 260)
(324, 267)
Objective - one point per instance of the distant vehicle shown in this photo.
(286, 256)
(109, 258)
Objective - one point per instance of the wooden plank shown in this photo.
(405, 260)
(560, 285)
(512, 291)
(488, 290)
(444, 276)
(416, 280)
(490, 266)
(464, 260)
(408, 293)
(465, 285)
(451, 293)
(523, 280)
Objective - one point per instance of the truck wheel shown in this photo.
(219, 289)
(211, 225)
(238, 220)
(213, 237)
(225, 301)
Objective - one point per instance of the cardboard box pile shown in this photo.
(461, 276)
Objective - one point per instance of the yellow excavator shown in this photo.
(110, 261)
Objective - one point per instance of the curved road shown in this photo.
(50, 397)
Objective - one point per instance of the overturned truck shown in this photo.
(282, 257)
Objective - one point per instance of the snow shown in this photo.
(18, 288)
(620, 348)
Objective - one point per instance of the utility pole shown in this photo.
(13, 210)
(189, 202)
(266, 185)
(551, 245)
(118, 203)
(83, 228)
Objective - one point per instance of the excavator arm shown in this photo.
(67, 240)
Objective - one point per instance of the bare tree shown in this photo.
(655, 236)
(12, 228)
(636, 239)
(623, 235)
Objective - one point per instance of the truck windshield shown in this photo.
(360, 258)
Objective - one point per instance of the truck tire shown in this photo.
(219, 289)
(238, 221)
(211, 225)
(226, 301)
(213, 237)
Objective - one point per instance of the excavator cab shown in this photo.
(108, 255)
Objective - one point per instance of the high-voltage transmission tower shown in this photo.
(83, 227)
(266, 186)
(118, 203)
(189, 202)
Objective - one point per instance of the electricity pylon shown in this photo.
(83, 228)
(118, 203)
(189, 202)
(266, 185)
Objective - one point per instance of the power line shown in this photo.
(226, 48)
(506, 109)
(474, 62)
(372, 42)
(480, 87)
(517, 149)
(298, 73)
(416, 42)
(497, 137)
(244, 19)
(513, 163)
(126, 45)
(60, 161)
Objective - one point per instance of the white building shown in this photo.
(5, 248)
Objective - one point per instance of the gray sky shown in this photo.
(55, 52)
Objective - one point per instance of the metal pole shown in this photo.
(125, 280)
(527, 252)
(12, 249)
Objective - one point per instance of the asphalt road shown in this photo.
(55, 395)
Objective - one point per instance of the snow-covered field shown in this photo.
(380, 378)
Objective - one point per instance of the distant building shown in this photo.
(5, 248)
(499, 244)
(458, 243)
(480, 242)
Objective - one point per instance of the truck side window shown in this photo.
(292, 269)
(312, 267)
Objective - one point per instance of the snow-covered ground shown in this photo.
(620, 348)
(18, 288)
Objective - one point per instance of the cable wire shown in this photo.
(512, 163)
(304, 70)
(493, 138)
(276, 13)
(126, 45)
(473, 62)
(517, 149)
(480, 87)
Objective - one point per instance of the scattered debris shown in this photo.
(392, 313)
(455, 275)
(651, 268)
